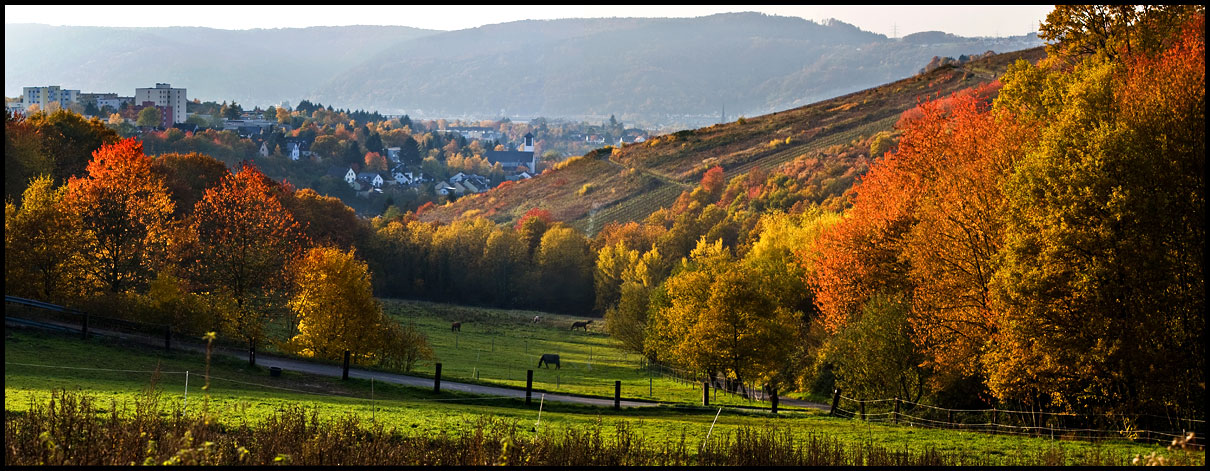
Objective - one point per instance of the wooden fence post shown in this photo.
(949, 418)
(344, 375)
(529, 386)
(437, 378)
(617, 395)
(705, 393)
(862, 404)
(896, 416)
(995, 417)
(835, 401)
(773, 399)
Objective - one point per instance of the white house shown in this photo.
(264, 149)
(373, 178)
(402, 178)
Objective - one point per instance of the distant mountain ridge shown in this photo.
(257, 66)
(643, 70)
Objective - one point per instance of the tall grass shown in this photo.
(70, 429)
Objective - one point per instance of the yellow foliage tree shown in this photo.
(335, 305)
(40, 258)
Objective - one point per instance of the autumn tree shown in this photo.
(1113, 31)
(958, 158)
(244, 239)
(41, 258)
(66, 142)
(612, 261)
(721, 319)
(325, 220)
(125, 211)
(187, 177)
(874, 356)
(564, 264)
(283, 116)
(326, 146)
(411, 241)
(1103, 276)
(455, 260)
(533, 225)
(506, 261)
(713, 182)
(375, 162)
(23, 156)
(334, 305)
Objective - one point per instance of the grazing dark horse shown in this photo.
(581, 324)
(456, 327)
(549, 359)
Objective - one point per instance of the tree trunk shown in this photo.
(251, 352)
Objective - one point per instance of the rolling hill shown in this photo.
(631, 182)
(646, 71)
(640, 69)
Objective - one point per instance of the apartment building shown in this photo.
(163, 95)
(43, 96)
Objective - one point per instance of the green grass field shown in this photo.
(117, 373)
(497, 346)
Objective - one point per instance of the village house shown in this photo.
(371, 178)
(298, 148)
(344, 173)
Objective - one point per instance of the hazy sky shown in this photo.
(891, 20)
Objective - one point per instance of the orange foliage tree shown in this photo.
(125, 210)
(375, 162)
(957, 161)
(927, 222)
(244, 239)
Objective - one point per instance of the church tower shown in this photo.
(528, 145)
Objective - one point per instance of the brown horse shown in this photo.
(456, 327)
(581, 324)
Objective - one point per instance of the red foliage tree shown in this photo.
(126, 210)
(244, 239)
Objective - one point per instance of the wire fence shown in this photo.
(194, 375)
(1036, 423)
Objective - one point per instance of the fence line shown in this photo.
(212, 377)
(1001, 421)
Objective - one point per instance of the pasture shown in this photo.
(497, 346)
(116, 374)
